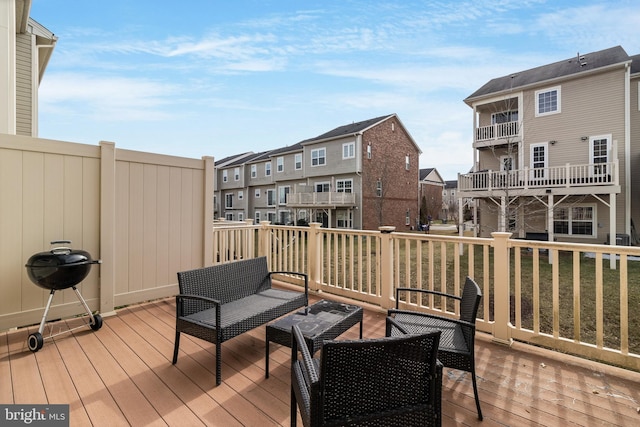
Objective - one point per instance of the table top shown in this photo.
(317, 318)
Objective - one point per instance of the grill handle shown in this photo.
(61, 249)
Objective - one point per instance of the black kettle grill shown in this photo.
(55, 270)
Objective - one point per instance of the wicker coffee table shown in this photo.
(324, 320)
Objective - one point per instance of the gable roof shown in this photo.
(433, 174)
(568, 67)
(425, 173)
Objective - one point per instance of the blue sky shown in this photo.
(215, 78)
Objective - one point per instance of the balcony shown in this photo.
(497, 134)
(122, 376)
(567, 179)
(321, 199)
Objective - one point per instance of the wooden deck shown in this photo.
(122, 375)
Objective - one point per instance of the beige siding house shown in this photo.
(25, 49)
(554, 151)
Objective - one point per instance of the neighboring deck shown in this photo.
(122, 375)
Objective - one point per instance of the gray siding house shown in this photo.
(359, 175)
(555, 150)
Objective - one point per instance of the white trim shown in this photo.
(324, 157)
(558, 101)
(350, 150)
(594, 219)
(295, 161)
(254, 171)
(279, 164)
(593, 171)
(533, 171)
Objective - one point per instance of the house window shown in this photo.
(240, 216)
(228, 216)
(257, 193)
(344, 185)
(256, 217)
(322, 187)
(379, 188)
(318, 157)
(344, 219)
(298, 161)
(285, 217)
(407, 218)
(254, 171)
(599, 154)
(271, 217)
(225, 176)
(240, 195)
(349, 150)
(271, 198)
(575, 220)
(236, 174)
(369, 151)
(280, 164)
(282, 194)
(267, 169)
(504, 117)
(548, 101)
(406, 162)
(228, 200)
(506, 163)
(539, 161)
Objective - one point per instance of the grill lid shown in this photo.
(59, 268)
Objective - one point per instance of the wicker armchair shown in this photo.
(456, 348)
(393, 381)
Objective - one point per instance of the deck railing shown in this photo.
(557, 176)
(497, 131)
(560, 295)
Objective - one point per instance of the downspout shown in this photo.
(359, 154)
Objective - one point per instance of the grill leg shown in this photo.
(46, 311)
(84, 304)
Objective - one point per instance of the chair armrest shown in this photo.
(305, 276)
(424, 291)
(432, 316)
(391, 324)
(298, 344)
(180, 297)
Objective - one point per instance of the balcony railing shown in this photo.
(563, 298)
(559, 176)
(321, 198)
(497, 131)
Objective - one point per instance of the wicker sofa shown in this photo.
(221, 302)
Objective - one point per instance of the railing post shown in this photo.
(501, 289)
(263, 239)
(386, 266)
(314, 252)
(248, 250)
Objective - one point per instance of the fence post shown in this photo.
(386, 266)
(107, 226)
(314, 253)
(207, 214)
(501, 289)
(249, 249)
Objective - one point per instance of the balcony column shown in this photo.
(501, 310)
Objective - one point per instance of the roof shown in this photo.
(227, 160)
(578, 64)
(425, 173)
(451, 184)
(287, 149)
(350, 129)
(635, 65)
